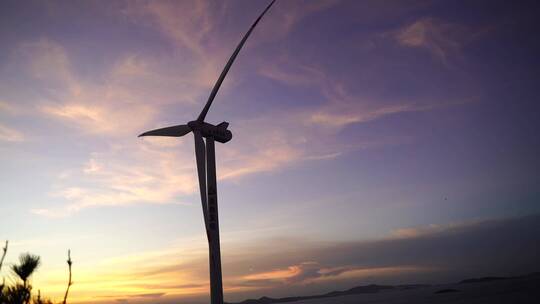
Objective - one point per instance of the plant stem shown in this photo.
(69, 262)
(4, 254)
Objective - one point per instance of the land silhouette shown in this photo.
(518, 289)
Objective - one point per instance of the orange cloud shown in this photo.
(102, 119)
(180, 270)
(279, 274)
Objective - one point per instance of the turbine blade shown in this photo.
(174, 131)
(200, 155)
(228, 66)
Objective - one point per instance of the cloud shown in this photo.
(48, 62)
(441, 39)
(8, 108)
(452, 253)
(134, 86)
(291, 271)
(124, 298)
(131, 172)
(95, 107)
(290, 266)
(161, 80)
(343, 108)
(122, 176)
(340, 108)
(108, 111)
(313, 131)
(10, 135)
(269, 151)
(315, 273)
(92, 167)
(197, 29)
(153, 170)
(186, 26)
(352, 114)
(409, 232)
(290, 13)
(291, 74)
(157, 172)
(187, 31)
(111, 119)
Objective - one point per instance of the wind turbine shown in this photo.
(206, 168)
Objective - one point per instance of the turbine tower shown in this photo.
(206, 168)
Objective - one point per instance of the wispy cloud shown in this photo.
(350, 114)
(10, 135)
(94, 108)
(341, 108)
(140, 171)
(121, 107)
(315, 273)
(441, 39)
(284, 138)
(112, 119)
(143, 86)
(196, 29)
(149, 171)
(288, 14)
(187, 24)
(8, 108)
(267, 266)
(293, 74)
(127, 173)
(48, 62)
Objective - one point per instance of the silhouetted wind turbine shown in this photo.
(206, 168)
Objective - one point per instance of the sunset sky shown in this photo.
(373, 142)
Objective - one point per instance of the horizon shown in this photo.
(388, 143)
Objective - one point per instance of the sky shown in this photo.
(373, 142)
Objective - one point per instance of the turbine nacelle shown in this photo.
(219, 133)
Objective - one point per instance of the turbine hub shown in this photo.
(194, 125)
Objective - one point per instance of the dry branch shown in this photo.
(4, 254)
(69, 262)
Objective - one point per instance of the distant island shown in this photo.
(520, 283)
(372, 288)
